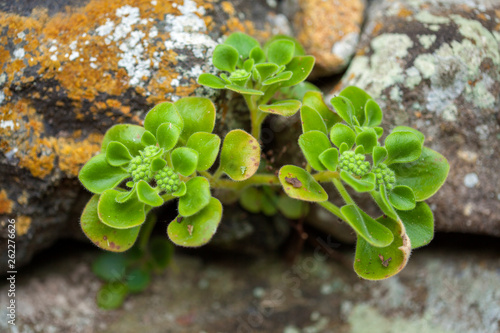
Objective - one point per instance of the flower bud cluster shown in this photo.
(354, 163)
(384, 175)
(167, 180)
(140, 166)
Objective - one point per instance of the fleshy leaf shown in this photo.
(373, 114)
(117, 154)
(198, 114)
(359, 150)
(120, 215)
(343, 148)
(379, 131)
(341, 133)
(207, 145)
(419, 224)
(280, 51)
(181, 191)
(148, 195)
(265, 70)
(129, 135)
(242, 43)
(243, 90)
(330, 158)
(98, 176)
(298, 49)
(311, 120)
(358, 98)
(111, 295)
(240, 155)
(419, 134)
(168, 134)
(314, 99)
(402, 198)
(366, 227)
(184, 160)
(283, 76)
(138, 280)
(127, 195)
(163, 113)
(368, 139)
(248, 65)
(425, 175)
(382, 201)
(377, 263)
(110, 266)
(258, 55)
(312, 144)
(107, 238)
(157, 164)
(292, 208)
(284, 108)
(148, 139)
(161, 250)
(225, 57)
(211, 81)
(301, 67)
(379, 154)
(365, 184)
(299, 184)
(402, 147)
(251, 199)
(196, 198)
(198, 229)
(345, 109)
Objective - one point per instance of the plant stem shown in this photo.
(342, 190)
(146, 231)
(255, 180)
(332, 209)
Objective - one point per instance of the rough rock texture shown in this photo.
(329, 30)
(443, 289)
(69, 73)
(435, 65)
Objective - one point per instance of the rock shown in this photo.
(329, 30)
(68, 74)
(435, 65)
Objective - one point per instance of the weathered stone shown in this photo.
(68, 74)
(329, 30)
(435, 66)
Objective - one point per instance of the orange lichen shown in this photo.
(404, 13)
(227, 7)
(23, 198)
(23, 224)
(5, 203)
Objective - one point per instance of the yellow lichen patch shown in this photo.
(23, 224)
(322, 24)
(5, 203)
(23, 198)
(73, 154)
(404, 13)
(227, 7)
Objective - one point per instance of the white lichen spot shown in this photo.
(426, 40)
(21, 35)
(19, 53)
(413, 77)
(272, 3)
(482, 131)
(7, 123)
(425, 64)
(74, 55)
(450, 112)
(425, 16)
(346, 47)
(280, 25)
(174, 83)
(154, 3)
(471, 180)
(3, 78)
(396, 94)
(72, 45)
(2, 96)
(53, 49)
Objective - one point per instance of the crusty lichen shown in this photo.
(5, 203)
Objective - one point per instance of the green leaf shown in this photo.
(299, 184)
(110, 266)
(117, 154)
(298, 49)
(359, 150)
(106, 238)
(243, 90)
(366, 227)
(343, 148)
(358, 98)
(402, 147)
(207, 145)
(138, 280)
(198, 229)
(251, 199)
(248, 65)
(419, 134)
(181, 191)
(345, 109)
(211, 81)
(373, 114)
(161, 250)
(377, 263)
(402, 198)
(368, 139)
(225, 78)
(301, 67)
(148, 195)
(312, 144)
(379, 154)
(129, 135)
(382, 201)
(341, 133)
(157, 164)
(314, 99)
(266, 70)
(292, 208)
(148, 139)
(258, 55)
(425, 175)
(198, 114)
(98, 176)
(168, 134)
(419, 224)
(268, 206)
(111, 295)
(284, 108)
(379, 131)
(196, 198)
(311, 120)
(239, 77)
(240, 155)
(280, 51)
(225, 57)
(364, 184)
(297, 91)
(283, 76)
(163, 113)
(127, 195)
(184, 160)
(330, 158)
(242, 43)
(120, 215)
